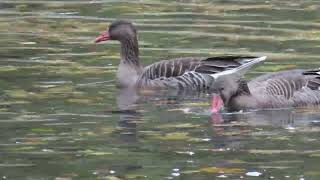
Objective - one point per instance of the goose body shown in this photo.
(190, 73)
(284, 89)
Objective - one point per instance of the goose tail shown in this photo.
(313, 83)
(241, 70)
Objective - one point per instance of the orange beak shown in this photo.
(216, 104)
(102, 37)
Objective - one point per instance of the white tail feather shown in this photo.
(241, 70)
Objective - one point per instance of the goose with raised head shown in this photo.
(190, 73)
(284, 89)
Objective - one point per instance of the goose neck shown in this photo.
(130, 51)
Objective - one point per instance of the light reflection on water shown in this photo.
(62, 117)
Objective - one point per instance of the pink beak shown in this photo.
(216, 104)
(102, 37)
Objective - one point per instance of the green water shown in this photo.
(61, 116)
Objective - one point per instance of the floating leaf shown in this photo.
(135, 176)
(95, 153)
(217, 170)
(222, 170)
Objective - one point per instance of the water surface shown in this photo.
(61, 116)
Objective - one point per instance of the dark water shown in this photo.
(61, 116)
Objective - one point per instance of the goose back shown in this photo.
(293, 88)
(284, 83)
(310, 94)
(187, 73)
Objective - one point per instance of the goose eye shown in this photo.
(221, 89)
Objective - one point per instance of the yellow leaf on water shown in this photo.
(135, 176)
(80, 101)
(190, 172)
(95, 153)
(222, 170)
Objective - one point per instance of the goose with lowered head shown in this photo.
(284, 89)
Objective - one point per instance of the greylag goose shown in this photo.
(188, 73)
(284, 89)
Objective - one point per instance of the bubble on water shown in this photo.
(255, 174)
(175, 174)
(290, 128)
(222, 176)
(176, 169)
(28, 43)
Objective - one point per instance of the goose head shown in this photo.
(126, 33)
(229, 84)
(227, 87)
(119, 30)
(230, 89)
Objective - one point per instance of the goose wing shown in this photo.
(188, 73)
(299, 87)
(314, 81)
(283, 84)
(310, 95)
